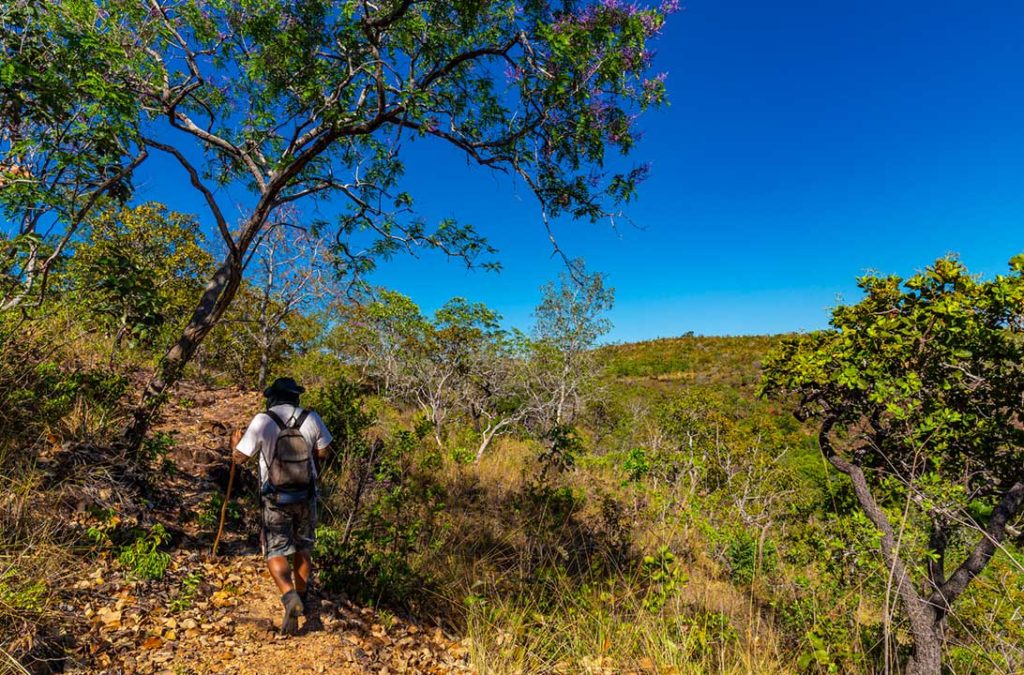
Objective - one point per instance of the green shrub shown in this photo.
(187, 593)
(742, 554)
(363, 569)
(462, 456)
(340, 406)
(142, 557)
(637, 464)
(21, 595)
(663, 579)
(209, 514)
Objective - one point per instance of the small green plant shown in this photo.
(22, 596)
(637, 464)
(387, 618)
(142, 557)
(209, 515)
(100, 534)
(709, 633)
(564, 446)
(462, 456)
(663, 579)
(187, 594)
(742, 553)
(156, 448)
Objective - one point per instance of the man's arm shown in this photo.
(321, 456)
(236, 456)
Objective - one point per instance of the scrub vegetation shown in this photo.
(498, 500)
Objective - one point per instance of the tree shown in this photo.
(380, 337)
(427, 362)
(68, 139)
(314, 100)
(290, 277)
(496, 393)
(135, 269)
(569, 321)
(916, 391)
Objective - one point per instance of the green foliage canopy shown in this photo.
(925, 375)
(917, 390)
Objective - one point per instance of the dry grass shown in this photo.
(524, 615)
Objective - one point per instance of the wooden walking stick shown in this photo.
(224, 507)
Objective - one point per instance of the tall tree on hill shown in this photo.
(135, 270)
(290, 276)
(314, 99)
(917, 393)
(569, 322)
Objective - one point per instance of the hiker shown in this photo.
(291, 443)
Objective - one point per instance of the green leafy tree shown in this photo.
(68, 135)
(314, 100)
(426, 362)
(496, 392)
(379, 337)
(135, 271)
(569, 322)
(917, 393)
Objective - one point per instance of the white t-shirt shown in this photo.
(261, 436)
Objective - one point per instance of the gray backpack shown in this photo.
(290, 467)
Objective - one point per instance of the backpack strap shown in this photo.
(297, 424)
(277, 420)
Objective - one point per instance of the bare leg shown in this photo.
(281, 572)
(303, 571)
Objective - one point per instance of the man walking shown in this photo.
(291, 443)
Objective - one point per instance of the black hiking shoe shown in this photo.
(292, 611)
(311, 609)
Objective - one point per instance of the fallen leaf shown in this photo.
(152, 643)
(111, 618)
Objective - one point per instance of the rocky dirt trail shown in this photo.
(220, 615)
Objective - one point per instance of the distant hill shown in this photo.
(724, 361)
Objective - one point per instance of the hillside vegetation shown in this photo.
(682, 525)
(496, 499)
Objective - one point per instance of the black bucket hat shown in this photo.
(284, 385)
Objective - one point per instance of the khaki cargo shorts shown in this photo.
(288, 528)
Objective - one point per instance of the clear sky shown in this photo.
(806, 143)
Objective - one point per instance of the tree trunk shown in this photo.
(927, 656)
(215, 300)
(925, 622)
(265, 343)
(485, 442)
(265, 332)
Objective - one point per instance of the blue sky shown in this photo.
(806, 143)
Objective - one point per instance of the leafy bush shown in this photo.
(340, 406)
(742, 554)
(21, 595)
(637, 464)
(142, 557)
(391, 506)
(187, 593)
(209, 514)
(663, 578)
(363, 569)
